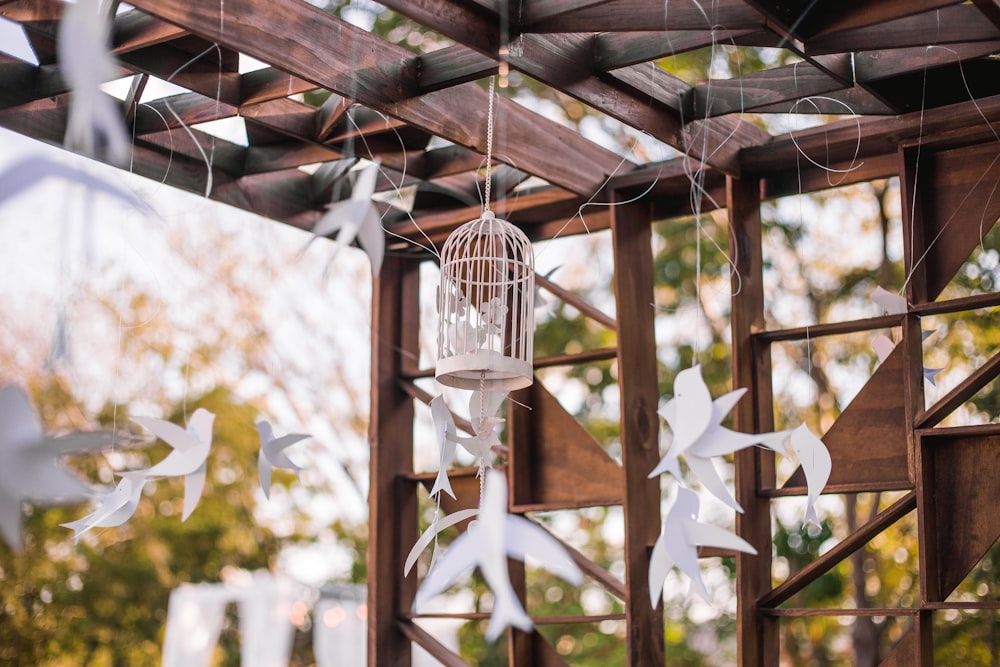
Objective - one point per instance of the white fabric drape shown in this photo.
(194, 621)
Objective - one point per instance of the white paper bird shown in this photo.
(191, 448)
(678, 545)
(694, 402)
(272, 454)
(444, 429)
(29, 171)
(30, 469)
(357, 218)
(713, 440)
(431, 532)
(816, 464)
(96, 126)
(114, 508)
(483, 410)
(892, 304)
(487, 544)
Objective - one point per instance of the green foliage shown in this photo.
(104, 601)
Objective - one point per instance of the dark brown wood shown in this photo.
(451, 66)
(631, 234)
(554, 461)
(426, 641)
(954, 24)
(622, 15)
(347, 63)
(392, 504)
(905, 652)
(762, 89)
(756, 636)
(868, 441)
(960, 474)
(990, 9)
(557, 60)
(959, 207)
(613, 50)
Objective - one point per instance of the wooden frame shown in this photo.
(870, 57)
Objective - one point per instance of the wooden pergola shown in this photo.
(924, 76)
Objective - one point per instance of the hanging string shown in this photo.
(489, 148)
(482, 417)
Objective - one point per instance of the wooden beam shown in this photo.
(564, 62)
(392, 505)
(829, 559)
(452, 66)
(761, 89)
(633, 283)
(951, 25)
(620, 49)
(656, 15)
(756, 637)
(990, 9)
(318, 47)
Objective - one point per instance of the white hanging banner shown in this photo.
(194, 621)
(266, 630)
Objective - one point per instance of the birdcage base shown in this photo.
(502, 373)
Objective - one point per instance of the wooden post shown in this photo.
(756, 635)
(392, 502)
(630, 227)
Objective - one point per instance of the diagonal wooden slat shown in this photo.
(426, 641)
(905, 652)
(960, 394)
(620, 49)
(960, 208)
(829, 559)
(555, 462)
(760, 89)
(134, 30)
(990, 9)
(318, 47)
(867, 443)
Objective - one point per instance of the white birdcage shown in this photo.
(486, 314)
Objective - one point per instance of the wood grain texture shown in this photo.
(961, 472)
(554, 461)
(633, 284)
(867, 442)
(392, 503)
(318, 47)
(756, 637)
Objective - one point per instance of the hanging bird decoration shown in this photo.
(272, 454)
(113, 508)
(678, 545)
(191, 448)
(95, 126)
(487, 544)
(357, 218)
(30, 469)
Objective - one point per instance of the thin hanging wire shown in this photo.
(482, 418)
(489, 148)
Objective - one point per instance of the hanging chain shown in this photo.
(482, 418)
(489, 148)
